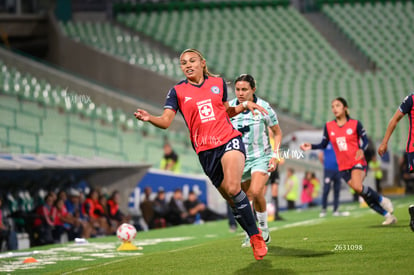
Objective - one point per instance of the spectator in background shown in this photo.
(291, 189)
(170, 161)
(198, 211)
(74, 207)
(115, 214)
(375, 165)
(160, 209)
(6, 233)
(177, 212)
(63, 222)
(92, 210)
(315, 192)
(147, 207)
(307, 190)
(103, 212)
(274, 180)
(43, 224)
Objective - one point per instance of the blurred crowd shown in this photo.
(60, 216)
(158, 211)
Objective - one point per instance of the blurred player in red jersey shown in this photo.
(345, 134)
(202, 100)
(405, 108)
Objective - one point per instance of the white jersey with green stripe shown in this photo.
(255, 128)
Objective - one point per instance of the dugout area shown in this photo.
(33, 172)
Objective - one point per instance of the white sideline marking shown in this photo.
(85, 252)
(296, 224)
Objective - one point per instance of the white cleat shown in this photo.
(322, 214)
(266, 235)
(246, 242)
(389, 219)
(387, 205)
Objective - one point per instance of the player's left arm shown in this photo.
(247, 105)
(272, 122)
(362, 134)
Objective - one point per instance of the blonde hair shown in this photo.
(205, 69)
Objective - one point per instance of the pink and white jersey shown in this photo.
(346, 140)
(204, 112)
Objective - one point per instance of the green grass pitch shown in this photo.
(302, 244)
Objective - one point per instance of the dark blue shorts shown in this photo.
(346, 174)
(210, 160)
(410, 162)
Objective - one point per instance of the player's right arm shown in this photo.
(398, 115)
(170, 109)
(322, 145)
(164, 121)
(404, 108)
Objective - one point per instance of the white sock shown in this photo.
(262, 219)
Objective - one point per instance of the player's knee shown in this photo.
(233, 189)
(255, 192)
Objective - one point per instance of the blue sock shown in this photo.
(373, 199)
(243, 213)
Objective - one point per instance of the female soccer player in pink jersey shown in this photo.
(345, 134)
(202, 100)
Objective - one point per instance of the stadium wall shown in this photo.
(109, 70)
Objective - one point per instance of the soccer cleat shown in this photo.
(387, 205)
(258, 245)
(389, 219)
(266, 235)
(246, 242)
(411, 211)
(322, 214)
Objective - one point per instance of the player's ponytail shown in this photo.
(343, 101)
(205, 69)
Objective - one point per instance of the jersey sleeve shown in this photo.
(224, 91)
(406, 104)
(324, 142)
(171, 102)
(271, 119)
(362, 134)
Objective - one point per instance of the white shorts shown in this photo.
(256, 165)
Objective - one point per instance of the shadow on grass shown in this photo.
(293, 252)
(263, 267)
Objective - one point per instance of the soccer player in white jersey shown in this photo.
(260, 159)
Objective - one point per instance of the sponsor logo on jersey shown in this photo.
(341, 142)
(332, 133)
(349, 131)
(215, 90)
(205, 110)
(187, 98)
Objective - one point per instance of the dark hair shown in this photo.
(247, 78)
(343, 101)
